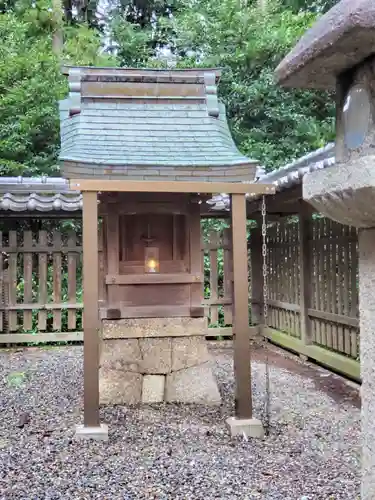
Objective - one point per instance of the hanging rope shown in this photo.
(267, 408)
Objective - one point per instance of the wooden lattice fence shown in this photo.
(332, 309)
(41, 281)
(217, 265)
(312, 279)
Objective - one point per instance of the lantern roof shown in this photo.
(338, 41)
(148, 124)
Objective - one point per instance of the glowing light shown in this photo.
(151, 260)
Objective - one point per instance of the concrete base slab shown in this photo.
(251, 427)
(95, 433)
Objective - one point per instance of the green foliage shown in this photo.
(131, 18)
(31, 84)
(268, 122)
(82, 46)
(133, 48)
(313, 6)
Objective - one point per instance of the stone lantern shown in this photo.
(338, 53)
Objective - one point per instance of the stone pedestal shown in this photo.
(151, 360)
(250, 427)
(99, 433)
(366, 242)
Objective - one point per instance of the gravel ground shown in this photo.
(175, 452)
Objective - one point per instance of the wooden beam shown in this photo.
(145, 186)
(305, 275)
(279, 304)
(329, 317)
(333, 360)
(113, 251)
(190, 75)
(228, 275)
(256, 274)
(153, 279)
(40, 338)
(227, 331)
(334, 318)
(175, 252)
(143, 90)
(242, 370)
(125, 311)
(90, 312)
(195, 255)
(176, 207)
(280, 201)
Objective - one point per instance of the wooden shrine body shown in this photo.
(161, 226)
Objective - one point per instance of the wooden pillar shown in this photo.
(195, 255)
(113, 254)
(228, 273)
(256, 275)
(90, 311)
(242, 370)
(305, 273)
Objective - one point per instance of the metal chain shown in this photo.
(267, 409)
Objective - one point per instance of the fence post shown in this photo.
(214, 292)
(241, 344)
(256, 259)
(228, 272)
(305, 272)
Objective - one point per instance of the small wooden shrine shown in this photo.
(147, 149)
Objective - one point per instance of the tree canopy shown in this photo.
(269, 123)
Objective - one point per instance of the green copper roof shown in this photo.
(115, 134)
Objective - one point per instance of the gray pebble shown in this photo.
(171, 452)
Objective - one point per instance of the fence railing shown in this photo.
(41, 283)
(217, 265)
(332, 291)
(312, 279)
(313, 290)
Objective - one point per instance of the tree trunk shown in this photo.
(57, 36)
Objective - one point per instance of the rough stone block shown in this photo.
(121, 354)
(119, 387)
(156, 355)
(366, 245)
(153, 388)
(196, 384)
(189, 351)
(153, 327)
